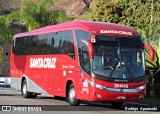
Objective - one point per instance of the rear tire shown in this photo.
(71, 98)
(116, 105)
(25, 92)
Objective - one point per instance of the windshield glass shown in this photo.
(117, 59)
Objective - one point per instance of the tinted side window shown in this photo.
(53, 43)
(85, 64)
(80, 34)
(67, 44)
(56, 41)
(33, 45)
(21, 46)
(25, 50)
(62, 43)
(25, 45)
(16, 46)
(43, 44)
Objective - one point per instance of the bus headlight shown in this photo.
(96, 85)
(141, 87)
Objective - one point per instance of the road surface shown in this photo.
(11, 99)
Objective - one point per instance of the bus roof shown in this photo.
(111, 29)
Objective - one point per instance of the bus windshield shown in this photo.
(118, 58)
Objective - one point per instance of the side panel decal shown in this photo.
(32, 86)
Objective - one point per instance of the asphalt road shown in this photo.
(13, 97)
(12, 100)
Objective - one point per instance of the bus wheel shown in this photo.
(116, 105)
(71, 98)
(25, 93)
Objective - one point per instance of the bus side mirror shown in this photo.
(151, 50)
(90, 48)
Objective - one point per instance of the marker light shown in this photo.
(93, 38)
(141, 87)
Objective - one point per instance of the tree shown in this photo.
(133, 13)
(6, 32)
(37, 15)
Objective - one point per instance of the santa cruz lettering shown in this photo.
(42, 62)
(116, 32)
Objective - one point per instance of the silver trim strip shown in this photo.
(121, 90)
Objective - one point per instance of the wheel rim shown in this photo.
(24, 89)
(72, 95)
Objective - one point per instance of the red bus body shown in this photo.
(53, 73)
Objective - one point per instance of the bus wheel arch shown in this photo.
(25, 92)
(70, 94)
(22, 82)
(69, 82)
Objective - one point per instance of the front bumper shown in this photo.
(101, 93)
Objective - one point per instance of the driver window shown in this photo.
(85, 59)
(107, 60)
(139, 58)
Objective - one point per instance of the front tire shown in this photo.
(71, 98)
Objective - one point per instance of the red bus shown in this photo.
(91, 61)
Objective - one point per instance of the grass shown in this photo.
(152, 100)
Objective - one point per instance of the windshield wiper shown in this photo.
(114, 67)
(129, 71)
